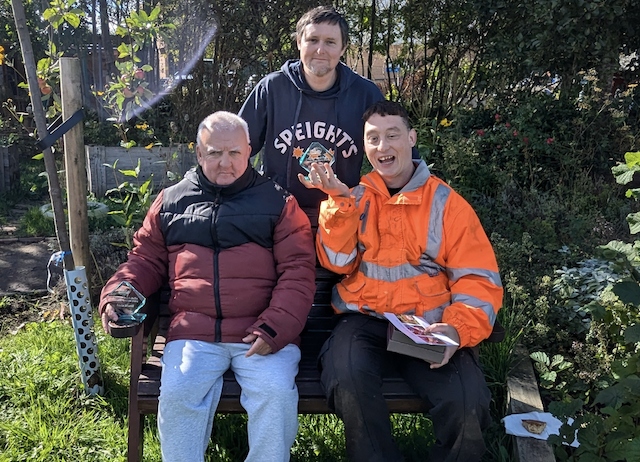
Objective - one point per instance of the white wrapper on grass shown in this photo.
(513, 425)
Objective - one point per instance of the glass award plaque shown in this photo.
(316, 152)
(127, 302)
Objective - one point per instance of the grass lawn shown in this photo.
(46, 416)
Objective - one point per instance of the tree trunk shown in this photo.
(41, 124)
(388, 42)
(372, 40)
(107, 47)
(96, 56)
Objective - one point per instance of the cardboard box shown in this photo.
(397, 342)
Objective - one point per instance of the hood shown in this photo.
(421, 174)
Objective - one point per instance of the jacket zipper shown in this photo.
(364, 216)
(216, 268)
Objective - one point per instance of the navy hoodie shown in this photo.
(293, 123)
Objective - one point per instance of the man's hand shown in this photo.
(449, 331)
(109, 314)
(258, 346)
(322, 177)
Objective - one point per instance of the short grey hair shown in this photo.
(222, 121)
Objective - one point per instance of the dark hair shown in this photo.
(385, 108)
(322, 14)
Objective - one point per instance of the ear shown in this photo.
(198, 154)
(413, 137)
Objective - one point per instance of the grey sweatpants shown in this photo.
(190, 389)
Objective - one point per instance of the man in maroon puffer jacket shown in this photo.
(237, 252)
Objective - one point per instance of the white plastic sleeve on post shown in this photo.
(82, 318)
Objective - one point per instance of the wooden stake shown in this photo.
(75, 163)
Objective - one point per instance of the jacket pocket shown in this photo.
(433, 292)
(349, 293)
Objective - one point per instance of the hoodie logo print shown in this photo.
(344, 143)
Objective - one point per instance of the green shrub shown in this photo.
(599, 300)
(34, 223)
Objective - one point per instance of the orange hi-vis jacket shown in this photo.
(422, 251)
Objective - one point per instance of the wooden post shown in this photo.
(75, 164)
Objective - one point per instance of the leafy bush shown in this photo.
(599, 300)
(34, 223)
(130, 202)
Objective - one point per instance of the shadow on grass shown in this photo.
(116, 395)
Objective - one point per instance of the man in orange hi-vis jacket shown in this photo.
(406, 243)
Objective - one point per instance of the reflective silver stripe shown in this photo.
(435, 315)
(392, 274)
(436, 220)
(492, 276)
(427, 265)
(400, 272)
(338, 258)
(358, 192)
(476, 303)
(340, 304)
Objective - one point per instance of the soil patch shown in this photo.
(23, 265)
(23, 283)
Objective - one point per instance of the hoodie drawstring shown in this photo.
(293, 127)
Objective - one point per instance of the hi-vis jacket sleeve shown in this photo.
(471, 268)
(338, 220)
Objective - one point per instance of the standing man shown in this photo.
(311, 109)
(406, 243)
(238, 255)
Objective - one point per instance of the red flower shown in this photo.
(549, 140)
(515, 133)
(525, 140)
(480, 132)
(507, 124)
(497, 116)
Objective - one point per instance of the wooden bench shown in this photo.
(147, 347)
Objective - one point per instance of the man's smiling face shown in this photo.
(321, 48)
(388, 143)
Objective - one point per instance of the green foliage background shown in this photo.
(524, 108)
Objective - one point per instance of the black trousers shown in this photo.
(354, 359)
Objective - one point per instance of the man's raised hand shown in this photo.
(321, 177)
